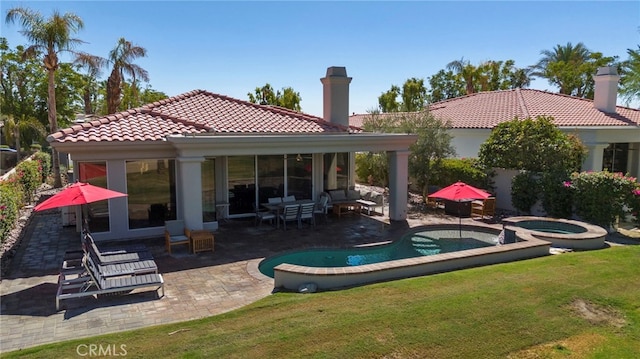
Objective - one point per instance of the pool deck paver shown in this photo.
(196, 285)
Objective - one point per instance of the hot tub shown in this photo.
(562, 233)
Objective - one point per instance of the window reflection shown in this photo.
(242, 182)
(97, 213)
(151, 188)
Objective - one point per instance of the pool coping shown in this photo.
(293, 277)
(592, 238)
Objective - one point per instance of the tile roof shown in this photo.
(196, 112)
(484, 110)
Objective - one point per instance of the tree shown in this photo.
(433, 143)
(388, 101)
(413, 95)
(571, 68)
(51, 36)
(121, 59)
(469, 73)
(445, 85)
(630, 76)
(545, 155)
(531, 144)
(287, 97)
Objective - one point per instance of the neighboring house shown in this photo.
(201, 157)
(610, 132)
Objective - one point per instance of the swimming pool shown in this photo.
(424, 242)
(299, 277)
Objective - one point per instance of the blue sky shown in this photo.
(231, 48)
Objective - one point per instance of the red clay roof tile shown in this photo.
(485, 110)
(193, 112)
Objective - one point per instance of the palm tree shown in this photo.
(630, 79)
(51, 36)
(14, 128)
(468, 72)
(121, 58)
(559, 66)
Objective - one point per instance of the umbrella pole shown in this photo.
(459, 219)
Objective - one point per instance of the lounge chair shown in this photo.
(114, 249)
(120, 269)
(93, 283)
(114, 256)
(289, 213)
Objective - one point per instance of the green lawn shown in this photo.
(574, 305)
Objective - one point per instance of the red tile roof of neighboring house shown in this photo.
(196, 112)
(485, 110)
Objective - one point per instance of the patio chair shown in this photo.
(286, 199)
(274, 200)
(262, 216)
(175, 233)
(306, 214)
(483, 208)
(93, 283)
(322, 206)
(289, 213)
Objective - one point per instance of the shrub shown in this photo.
(28, 174)
(557, 201)
(372, 168)
(45, 163)
(602, 197)
(452, 170)
(10, 203)
(525, 187)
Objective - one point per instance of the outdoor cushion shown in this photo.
(352, 194)
(175, 228)
(337, 195)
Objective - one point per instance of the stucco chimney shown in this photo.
(606, 89)
(335, 96)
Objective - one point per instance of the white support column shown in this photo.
(594, 158)
(318, 172)
(190, 191)
(398, 185)
(633, 166)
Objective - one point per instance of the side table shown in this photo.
(201, 241)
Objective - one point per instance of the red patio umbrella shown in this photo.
(460, 192)
(78, 193)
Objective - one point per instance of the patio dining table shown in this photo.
(278, 207)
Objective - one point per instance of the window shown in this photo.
(336, 170)
(270, 177)
(299, 180)
(242, 184)
(151, 188)
(97, 213)
(615, 157)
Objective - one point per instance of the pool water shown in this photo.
(415, 244)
